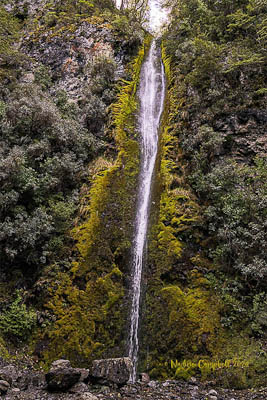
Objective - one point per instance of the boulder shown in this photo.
(111, 370)
(60, 364)
(4, 386)
(61, 379)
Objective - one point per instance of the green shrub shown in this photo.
(9, 28)
(43, 78)
(17, 322)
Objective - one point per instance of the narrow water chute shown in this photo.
(151, 94)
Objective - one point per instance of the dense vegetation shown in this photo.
(46, 145)
(207, 261)
(54, 144)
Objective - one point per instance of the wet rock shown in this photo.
(112, 370)
(61, 379)
(4, 386)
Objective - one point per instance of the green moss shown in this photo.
(187, 315)
(88, 320)
(248, 365)
(4, 353)
(9, 31)
(9, 35)
(89, 302)
(182, 311)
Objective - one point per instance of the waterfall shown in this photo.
(151, 96)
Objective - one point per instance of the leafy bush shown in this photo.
(237, 214)
(213, 56)
(9, 30)
(258, 314)
(17, 322)
(44, 154)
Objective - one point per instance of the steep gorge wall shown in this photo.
(206, 269)
(69, 157)
(97, 314)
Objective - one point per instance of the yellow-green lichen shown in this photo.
(182, 312)
(89, 301)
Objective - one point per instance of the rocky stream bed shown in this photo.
(107, 380)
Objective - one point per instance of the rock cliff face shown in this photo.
(61, 75)
(56, 88)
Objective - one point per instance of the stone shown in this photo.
(165, 384)
(8, 373)
(86, 396)
(60, 364)
(145, 378)
(4, 386)
(193, 380)
(37, 380)
(15, 390)
(212, 392)
(152, 384)
(104, 390)
(84, 374)
(62, 379)
(111, 370)
(79, 387)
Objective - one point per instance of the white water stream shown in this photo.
(151, 95)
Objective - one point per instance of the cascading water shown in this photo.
(151, 95)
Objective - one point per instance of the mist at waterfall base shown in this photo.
(151, 95)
